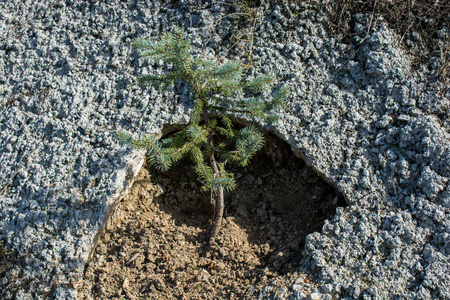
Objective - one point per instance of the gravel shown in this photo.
(369, 124)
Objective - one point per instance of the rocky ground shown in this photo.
(159, 248)
(361, 114)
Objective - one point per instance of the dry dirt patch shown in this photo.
(157, 249)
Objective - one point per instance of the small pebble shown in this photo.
(313, 296)
(126, 284)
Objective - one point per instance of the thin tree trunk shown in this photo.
(219, 201)
(219, 205)
(219, 215)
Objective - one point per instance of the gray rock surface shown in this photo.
(372, 127)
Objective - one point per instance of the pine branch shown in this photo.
(230, 71)
(155, 154)
(197, 134)
(197, 112)
(278, 98)
(176, 140)
(217, 91)
(228, 133)
(248, 143)
(173, 47)
(159, 82)
(226, 183)
(205, 174)
(124, 138)
(175, 154)
(260, 83)
(227, 122)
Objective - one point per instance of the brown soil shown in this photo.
(158, 249)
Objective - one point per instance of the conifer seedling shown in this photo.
(218, 92)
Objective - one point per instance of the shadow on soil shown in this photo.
(278, 201)
(158, 248)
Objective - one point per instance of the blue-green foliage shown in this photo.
(218, 91)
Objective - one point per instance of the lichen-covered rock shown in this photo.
(367, 123)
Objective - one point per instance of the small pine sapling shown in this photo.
(217, 93)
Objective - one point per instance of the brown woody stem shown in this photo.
(219, 202)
